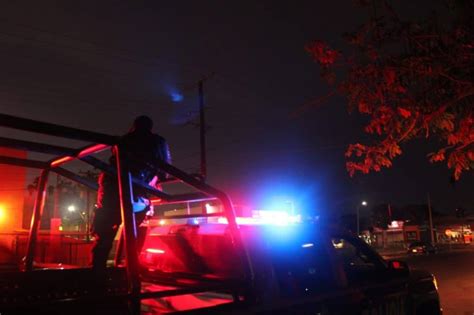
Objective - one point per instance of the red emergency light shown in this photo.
(263, 217)
(155, 251)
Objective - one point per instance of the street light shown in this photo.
(363, 204)
(71, 208)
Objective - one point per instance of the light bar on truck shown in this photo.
(262, 217)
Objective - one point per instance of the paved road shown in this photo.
(455, 274)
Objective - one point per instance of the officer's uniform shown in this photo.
(137, 147)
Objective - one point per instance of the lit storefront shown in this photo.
(453, 233)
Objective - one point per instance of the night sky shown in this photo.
(98, 65)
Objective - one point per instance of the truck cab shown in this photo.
(202, 262)
(298, 267)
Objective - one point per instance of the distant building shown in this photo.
(452, 229)
(447, 230)
(399, 234)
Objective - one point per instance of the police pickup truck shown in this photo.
(304, 268)
(216, 265)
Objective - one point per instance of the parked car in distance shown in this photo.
(421, 247)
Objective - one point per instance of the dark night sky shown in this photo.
(97, 65)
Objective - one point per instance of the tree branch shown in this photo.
(312, 103)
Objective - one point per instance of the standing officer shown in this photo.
(138, 147)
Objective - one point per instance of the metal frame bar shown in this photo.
(129, 230)
(228, 209)
(200, 215)
(84, 152)
(125, 182)
(23, 162)
(35, 146)
(69, 153)
(30, 125)
(76, 178)
(35, 220)
(43, 165)
(119, 250)
(191, 197)
(111, 171)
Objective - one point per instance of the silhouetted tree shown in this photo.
(380, 216)
(412, 78)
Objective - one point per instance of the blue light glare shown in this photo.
(280, 203)
(194, 221)
(291, 240)
(280, 193)
(176, 97)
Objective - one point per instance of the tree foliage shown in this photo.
(413, 79)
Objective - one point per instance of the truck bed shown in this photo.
(57, 289)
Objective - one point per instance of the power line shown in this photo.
(52, 102)
(76, 49)
(56, 95)
(128, 58)
(99, 50)
(82, 50)
(127, 51)
(82, 73)
(237, 141)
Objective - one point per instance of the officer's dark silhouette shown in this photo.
(138, 147)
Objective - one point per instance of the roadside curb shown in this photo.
(396, 254)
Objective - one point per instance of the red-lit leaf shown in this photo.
(411, 80)
(389, 76)
(405, 113)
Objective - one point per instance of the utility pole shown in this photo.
(430, 217)
(358, 221)
(363, 204)
(202, 129)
